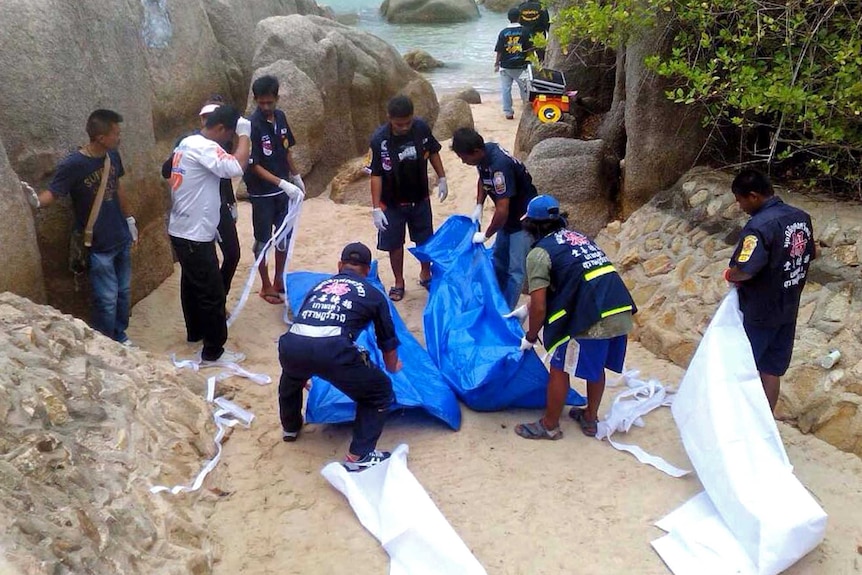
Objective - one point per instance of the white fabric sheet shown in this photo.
(755, 517)
(393, 506)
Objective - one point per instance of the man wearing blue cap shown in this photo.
(580, 300)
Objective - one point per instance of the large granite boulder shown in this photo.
(421, 61)
(454, 113)
(588, 68)
(428, 11)
(499, 5)
(348, 74)
(87, 426)
(531, 131)
(580, 175)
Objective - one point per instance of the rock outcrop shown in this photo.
(454, 113)
(428, 11)
(469, 94)
(421, 61)
(531, 131)
(88, 426)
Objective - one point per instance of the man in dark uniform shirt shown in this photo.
(321, 343)
(508, 183)
(511, 61)
(535, 20)
(769, 267)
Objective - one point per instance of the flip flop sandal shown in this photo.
(273, 298)
(396, 293)
(537, 430)
(590, 428)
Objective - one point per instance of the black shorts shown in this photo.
(772, 346)
(415, 217)
(267, 213)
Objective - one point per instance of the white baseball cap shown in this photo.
(208, 109)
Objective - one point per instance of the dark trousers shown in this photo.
(338, 361)
(229, 245)
(202, 295)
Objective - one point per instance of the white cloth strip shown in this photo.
(230, 369)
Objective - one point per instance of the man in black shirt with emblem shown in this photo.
(400, 151)
(769, 267)
(512, 48)
(321, 343)
(535, 20)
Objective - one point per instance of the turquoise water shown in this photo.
(467, 49)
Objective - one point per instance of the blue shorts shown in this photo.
(414, 217)
(772, 346)
(592, 356)
(267, 214)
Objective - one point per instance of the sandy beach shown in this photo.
(522, 507)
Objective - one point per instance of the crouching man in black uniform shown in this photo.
(321, 343)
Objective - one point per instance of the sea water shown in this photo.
(466, 49)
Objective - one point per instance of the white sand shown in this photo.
(573, 506)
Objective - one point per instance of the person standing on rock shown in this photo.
(513, 45)
(400, 152)
(199, 164)
(770, 267)
(321, 343)
(272, 180)
(580, 300)
(80, 176)
(508, 183)
(535, 20)
(228, 239)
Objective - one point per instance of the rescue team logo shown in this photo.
(573, 238)
(266, 145)
(336, 288)
(499, 180)
(749, 244)
(798, 243)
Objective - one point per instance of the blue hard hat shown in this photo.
(542, 208)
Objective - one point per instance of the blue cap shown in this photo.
(542, 208)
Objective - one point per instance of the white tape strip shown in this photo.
(229, 369)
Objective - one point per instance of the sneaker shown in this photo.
(510, 116)
(226, 357)
(128, 343)
(370, 460)
(289, 436)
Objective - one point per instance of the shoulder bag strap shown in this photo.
(97, 202)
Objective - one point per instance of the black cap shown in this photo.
(356, 253)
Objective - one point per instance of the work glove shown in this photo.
(520, 313)
(479, 238)
(526, 345)
(243, 127)
(292, 191)
(32, 196)
(442, 188)
(296, 180)
(379, 218)
(133, 228)
(476, 216)
(233, 211)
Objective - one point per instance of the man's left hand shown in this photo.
(442, 188)
(479, 238)
(133, 228)
(526, 345)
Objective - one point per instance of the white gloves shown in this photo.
(293, 192)
(520, 313)
(479, 238)
(133, 228)
(296, 180)
(379, 218)
(243, 127)
(526, 345)
(32, 196)
(442, 188)
(233, 211)
(476, 216)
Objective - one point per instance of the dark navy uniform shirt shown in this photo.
(512, 45)
(269, 145)
(504, 176)
(348, 301)
(776, 248)
(402, 162)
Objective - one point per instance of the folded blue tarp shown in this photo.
(475, 348)
(418, 385)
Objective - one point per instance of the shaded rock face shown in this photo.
(469, 94)
(420, 60)
(531, 131)
(351, 184)
(428, 11)
(576, 173)
(454, 113)
(672, 252)
(87, 427)
(588, 68)
(335, 82)
(499, 5)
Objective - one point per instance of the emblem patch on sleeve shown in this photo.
(499, 183)
(749, 243)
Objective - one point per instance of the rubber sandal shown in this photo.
(396, 293)
(590, 428)
(537, 430)
(273, 298)
(426, 283)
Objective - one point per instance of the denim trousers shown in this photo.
(510, 263)
(507, 76)
(110, 283)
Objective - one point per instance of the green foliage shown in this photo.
(786, 75)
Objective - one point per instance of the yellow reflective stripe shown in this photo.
(616, 310)
(599, 272)
(558, 344)
(556, 316)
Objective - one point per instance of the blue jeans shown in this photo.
(110, 280)
(510, 263)
(507, 76)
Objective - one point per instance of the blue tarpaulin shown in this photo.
(475, 348)
(418, 385)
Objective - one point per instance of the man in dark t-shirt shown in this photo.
(400, 152)
(512, 48)
(79, 176)
(535, 20)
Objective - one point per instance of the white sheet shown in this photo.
(755, 517)
(393, 506)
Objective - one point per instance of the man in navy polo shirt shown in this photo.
(400, 151)
(271, 180)
(510, 186)
(769, 267)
